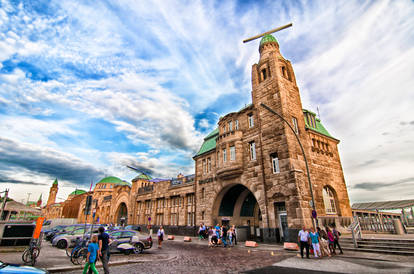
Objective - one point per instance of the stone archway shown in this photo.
(236, 205)
(122, 214)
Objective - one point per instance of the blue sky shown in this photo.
(87, 87)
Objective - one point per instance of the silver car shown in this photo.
(69, 239)
(125, 236)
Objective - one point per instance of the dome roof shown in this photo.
(77, 192)
(113, 180)
(267, 38)
(55, 182)
(143, 176)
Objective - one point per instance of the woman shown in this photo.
(323, 237)
(160, 235)
(331, 240)
(315, 243)
(92, 255)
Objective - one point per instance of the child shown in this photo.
(92, 255)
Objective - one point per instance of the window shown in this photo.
(224, 155)
(224, 129)
(218, 158)
(295, 125)
(275, 163)
(174, 219)
(329, 200)
(203, 193)
(208, 164)
(264, 74)
(236, 126)
(202, 215)
(204, 166)
(230, 125)
(159, 219)
(252, 151)
(232, 153)
(190, 218)
(251, 120)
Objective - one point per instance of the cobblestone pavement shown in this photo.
(191, 258)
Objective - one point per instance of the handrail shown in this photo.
(356, 231)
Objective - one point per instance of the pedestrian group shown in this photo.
(323, 243)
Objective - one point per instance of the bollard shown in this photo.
(187, 239)
(170, 237)
(251, 244)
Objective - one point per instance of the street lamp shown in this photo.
(304, 156)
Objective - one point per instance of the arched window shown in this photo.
(329, 200)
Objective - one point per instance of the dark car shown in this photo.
(125, 236)
(133, 227)
(15, 268)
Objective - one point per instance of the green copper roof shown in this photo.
(55, 182)
(319, 127)
(77, 192)
(144, 176)
(267, 38)
(113, 180)
(209, 142)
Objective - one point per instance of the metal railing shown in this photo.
(356, 231)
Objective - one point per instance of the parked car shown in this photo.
(133, 227)
(15, 268)
(125, 236)
(49, 233)
(68, 240)
(65, 230)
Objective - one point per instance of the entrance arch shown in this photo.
(122, 214)
(236, 205)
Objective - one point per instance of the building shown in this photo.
(249, 172)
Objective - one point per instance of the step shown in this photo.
(397, 241)
(385, 251)
(385, 243)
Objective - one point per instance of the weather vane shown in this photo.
(267, 32)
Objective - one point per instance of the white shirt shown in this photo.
(304, 235)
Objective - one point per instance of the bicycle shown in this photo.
(79, 252)
(31, 253)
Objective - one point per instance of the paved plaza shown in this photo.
(196, 257)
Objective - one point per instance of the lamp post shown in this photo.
(304, 157)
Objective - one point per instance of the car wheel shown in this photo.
(139, 248)
(62, 244)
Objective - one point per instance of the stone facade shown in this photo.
(249, 172)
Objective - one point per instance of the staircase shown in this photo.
(385, 246)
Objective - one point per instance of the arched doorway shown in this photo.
(237, 205)
(122, 214)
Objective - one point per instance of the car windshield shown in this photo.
(2, 264)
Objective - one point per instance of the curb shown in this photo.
(120, 262)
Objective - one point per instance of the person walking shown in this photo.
(230, 236)
(160, 235)
(331, 240)
(224, 235)
(315, 243)
(323, 242)
(104, 254)
(92, 255)
(336, 235)
(303, 239)
(234, 234)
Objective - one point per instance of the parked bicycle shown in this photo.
(79, 253)
(31, 253)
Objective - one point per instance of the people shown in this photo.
(315, 243)
(214, 238)
(323, 242)
(160, 235)
(104, 253)
(224, 235)
(202, 231)
(234, 234)
(336, 235)
(230, 236)
(303, 239)
(331, 240)
(93, 249)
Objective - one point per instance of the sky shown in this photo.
(88, 87)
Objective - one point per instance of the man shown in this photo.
(336, 234)
(303, 239)
(103, 238)
(224, 235)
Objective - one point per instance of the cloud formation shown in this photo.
(93, 86)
